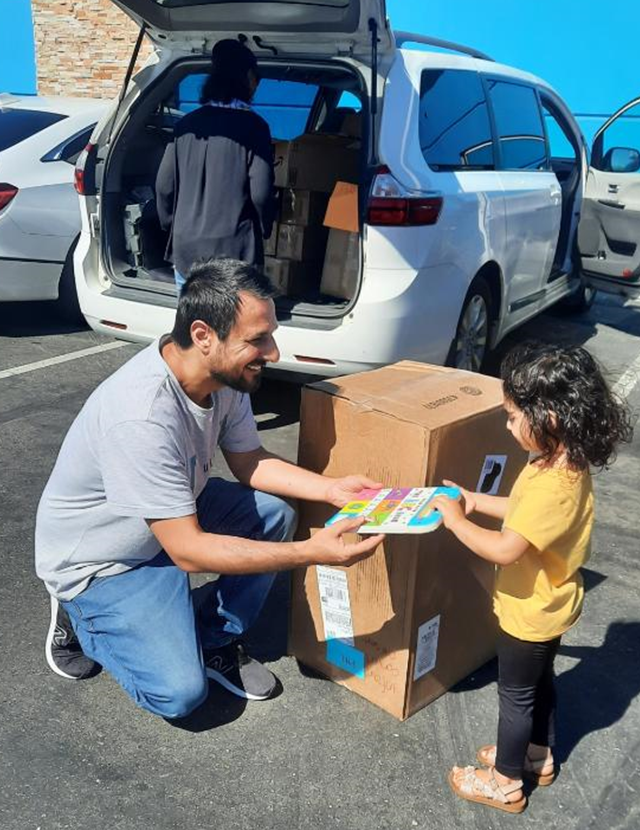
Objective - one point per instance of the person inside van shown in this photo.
(214, 187)
(130, 509)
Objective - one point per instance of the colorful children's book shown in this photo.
(397, 510)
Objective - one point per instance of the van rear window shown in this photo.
(16, 125)
(284, 105)
(455, 130)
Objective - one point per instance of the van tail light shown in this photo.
(80, 182)
(391, 204)
(7, 192)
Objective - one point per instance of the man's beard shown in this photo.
(238, 382)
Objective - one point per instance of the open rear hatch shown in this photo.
(312, 27)
(317, 113)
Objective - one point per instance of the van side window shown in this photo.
(519, 126)
(455, 131)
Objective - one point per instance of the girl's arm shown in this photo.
(495, 506)
(500, 547)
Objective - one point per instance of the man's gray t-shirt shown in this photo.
(139, 449)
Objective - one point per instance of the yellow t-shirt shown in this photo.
(540, 596)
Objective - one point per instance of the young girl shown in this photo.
(560, 409)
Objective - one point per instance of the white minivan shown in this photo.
(468, 221)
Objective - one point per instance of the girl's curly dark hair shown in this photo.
(566, 400)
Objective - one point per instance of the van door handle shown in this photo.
(609, 203)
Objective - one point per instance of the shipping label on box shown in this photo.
(426, 648)
(333, 589)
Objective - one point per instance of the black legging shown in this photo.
(527, 700)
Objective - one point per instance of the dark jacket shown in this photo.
(214, 188)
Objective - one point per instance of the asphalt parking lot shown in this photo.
(80, 755)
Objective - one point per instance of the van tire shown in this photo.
(67, 306)
(470, 347)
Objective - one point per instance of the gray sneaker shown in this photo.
(233, 668)
(62, 649)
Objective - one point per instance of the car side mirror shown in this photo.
(624, 160)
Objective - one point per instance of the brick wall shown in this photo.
(83, 47)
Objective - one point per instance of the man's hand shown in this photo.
(451, 510)
(470, 500)
(327, 547)
(341, 491)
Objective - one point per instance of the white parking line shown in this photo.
(626, 383)
(63, 358)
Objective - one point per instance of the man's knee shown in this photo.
(179, 699)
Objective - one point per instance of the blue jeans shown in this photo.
(180, 281)
(146, 626)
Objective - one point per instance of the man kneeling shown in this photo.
(129, 510)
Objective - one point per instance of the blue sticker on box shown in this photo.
(345, 657)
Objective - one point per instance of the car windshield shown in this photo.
(16, 125)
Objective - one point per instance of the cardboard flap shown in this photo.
(342, 210)
(431, 396)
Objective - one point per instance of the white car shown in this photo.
(40, 141)
(467, 218)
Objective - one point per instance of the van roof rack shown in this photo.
(410, 37)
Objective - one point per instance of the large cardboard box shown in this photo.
(316, 162)
(341, 267)
(403, 626)
(290, 277)
(301, 242)
(303, 207)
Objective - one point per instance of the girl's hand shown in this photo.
(451, 510)
(470, 501)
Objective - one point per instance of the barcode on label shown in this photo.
(335, 593)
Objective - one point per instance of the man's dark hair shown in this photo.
(565, 398)
(212, 294)
(228, 78)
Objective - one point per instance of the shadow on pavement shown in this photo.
(34, 319)
(276, 404)
(599, 689)
(219, 708)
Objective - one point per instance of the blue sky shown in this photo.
(17, 68)
(589, 58)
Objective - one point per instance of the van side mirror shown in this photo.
(623, 160)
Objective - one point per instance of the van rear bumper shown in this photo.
(400, 314)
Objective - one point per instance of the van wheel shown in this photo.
(470, 347)
(67, 306)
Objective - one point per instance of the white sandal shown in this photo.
(486, 756)
(490, 793)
